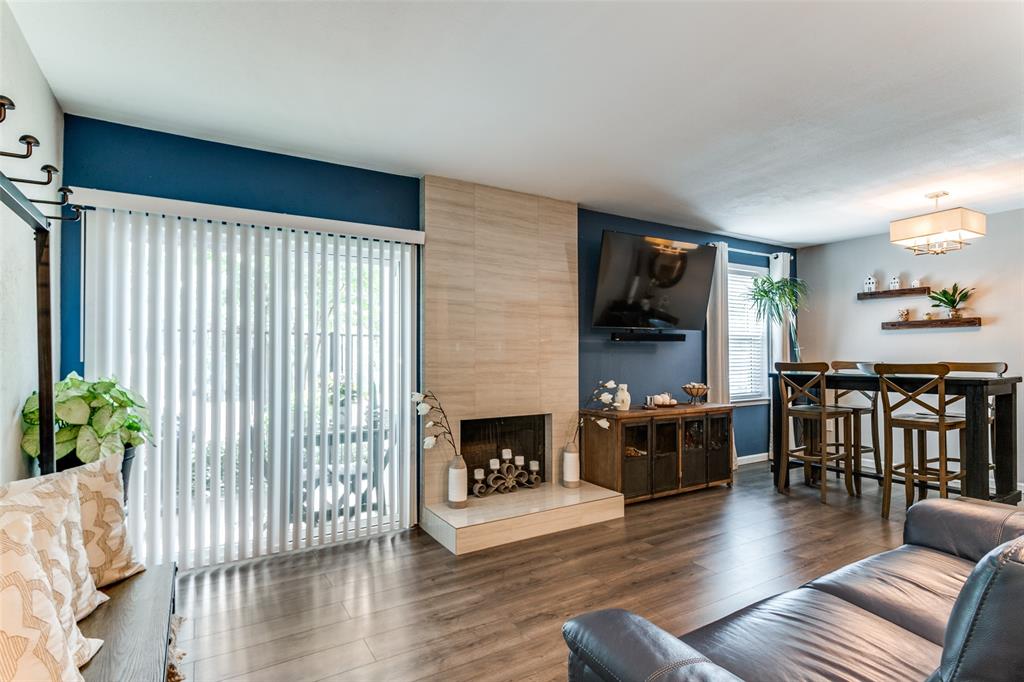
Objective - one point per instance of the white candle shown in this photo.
(494, 464)
(534, 465)
(519, 460)
(506, 454)
(478, 474)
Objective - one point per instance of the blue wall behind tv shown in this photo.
(654, 367)
(119, 158)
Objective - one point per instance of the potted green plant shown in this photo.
(94, 419)
(773, 298)
(951, 299)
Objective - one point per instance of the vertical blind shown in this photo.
(277, 364)
(748, 338)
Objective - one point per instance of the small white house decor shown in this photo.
(895, 283)
(870, 283)
(437, 426)
(622, 398)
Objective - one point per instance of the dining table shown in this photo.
(977, 390)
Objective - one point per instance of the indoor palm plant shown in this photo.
(951, 299)
(94, 419)
(774, 298)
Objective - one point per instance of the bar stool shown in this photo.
(859, 412)
(795, 385)
(997, 368)
(932, 419)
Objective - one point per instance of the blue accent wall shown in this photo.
(119, 158)
(650, 368)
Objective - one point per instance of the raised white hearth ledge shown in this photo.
(526, 513)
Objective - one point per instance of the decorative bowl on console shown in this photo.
(696, 391)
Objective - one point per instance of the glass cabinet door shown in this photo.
(636, 459)
(719, 445)
(694, 453)
(665, 465)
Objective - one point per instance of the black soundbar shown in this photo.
(648, 336)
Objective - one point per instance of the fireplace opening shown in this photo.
(482, 440)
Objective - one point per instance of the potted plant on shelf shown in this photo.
(951, 299)
(776, 299)
(94, 419)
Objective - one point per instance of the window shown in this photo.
(748, 337)
(277, 365)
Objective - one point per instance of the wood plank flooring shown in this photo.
(402, 608)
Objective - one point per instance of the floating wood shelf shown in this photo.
(893, 293)
(934, 324)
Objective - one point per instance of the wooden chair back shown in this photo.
(935, 373)
(839, 365)
(793, 388)
(997, 368)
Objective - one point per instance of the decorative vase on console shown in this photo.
(437, 426)
(622, 398)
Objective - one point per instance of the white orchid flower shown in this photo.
(423, 408)
(603, 423)
(610, 383)
(429, 441)
(428, 424)
(605, 398)
(417, 397)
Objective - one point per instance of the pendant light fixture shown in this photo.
(937, 232)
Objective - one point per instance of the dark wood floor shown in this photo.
(403, 608)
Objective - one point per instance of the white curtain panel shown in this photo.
(277, 364)
(716, 338)
(778, 267)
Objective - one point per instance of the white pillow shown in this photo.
(86, 597)
(48, 505)
(104, 531)
(33, 645)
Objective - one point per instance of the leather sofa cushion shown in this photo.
(808, 634)
(913, 587)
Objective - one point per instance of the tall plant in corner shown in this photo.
(777, 301)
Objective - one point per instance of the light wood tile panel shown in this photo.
(500, 310)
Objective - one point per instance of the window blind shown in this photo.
(748, 338)
(277, 364)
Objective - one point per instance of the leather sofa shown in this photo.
(946, 605)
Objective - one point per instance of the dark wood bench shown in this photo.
(134, 626)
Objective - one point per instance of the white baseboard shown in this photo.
(750, 459)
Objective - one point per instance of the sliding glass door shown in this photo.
(277, 364)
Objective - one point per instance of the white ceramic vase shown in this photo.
(571, 466)
(458, 483)
(622, 398)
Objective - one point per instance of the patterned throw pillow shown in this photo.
(101, 494)
(86, 597)
(32, 642)
(104, 533)
(47, 505)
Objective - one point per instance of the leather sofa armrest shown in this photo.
(619, 646)
(969, 529)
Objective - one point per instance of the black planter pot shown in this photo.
(70, 461)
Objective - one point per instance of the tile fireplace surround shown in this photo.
(501, 338)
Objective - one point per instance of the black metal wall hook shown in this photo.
(49, 169)
(29, 141)
(5, 104)
(65, 194)
(76, 217)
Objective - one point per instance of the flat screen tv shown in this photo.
(652, 283)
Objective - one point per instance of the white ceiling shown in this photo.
(793, 123)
